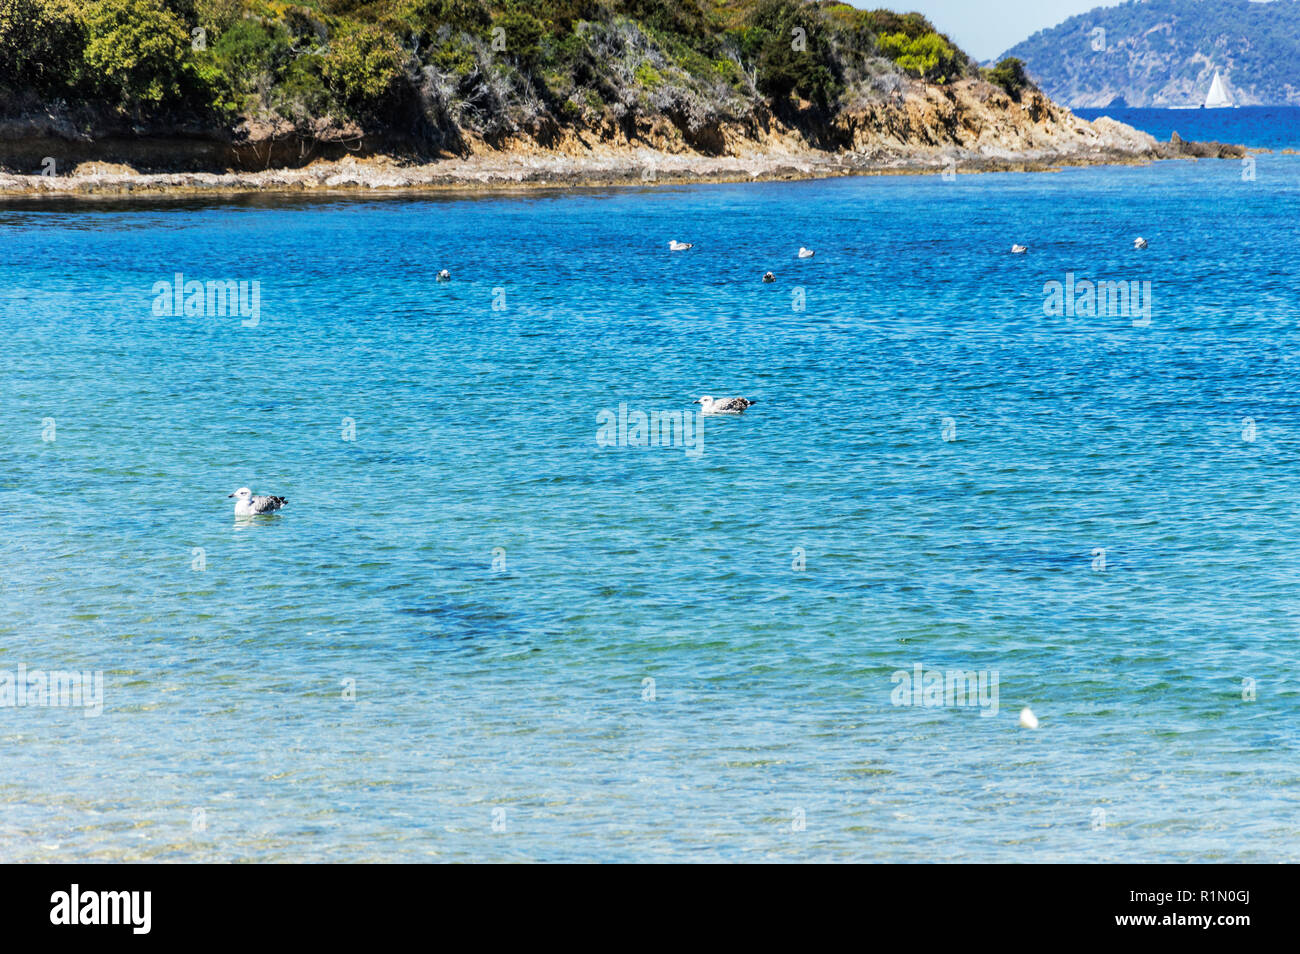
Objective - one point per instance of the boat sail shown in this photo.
(1218, 97)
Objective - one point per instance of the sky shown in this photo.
(985, 28)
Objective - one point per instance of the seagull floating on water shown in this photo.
(806, 252)
(1139, 242)
(444, 276)
(769, 277)
(676, 246)
(1019, 249)
(1027, 718)
(730, 405)
(247, 503)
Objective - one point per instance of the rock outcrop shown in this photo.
(967, 126)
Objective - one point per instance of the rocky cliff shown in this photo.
(416, 92)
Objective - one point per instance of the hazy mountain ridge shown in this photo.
(1165, 52)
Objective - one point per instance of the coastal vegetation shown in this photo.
(1011, 76)
(437, 71)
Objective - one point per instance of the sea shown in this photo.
(1260, 127)
(524, 604)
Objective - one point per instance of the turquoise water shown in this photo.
(501, 710)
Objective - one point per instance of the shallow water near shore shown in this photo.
(927, 478)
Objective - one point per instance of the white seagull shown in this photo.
(806, 252)
(1139, 242)
(247, 503)
(730, 405)
(1019, 249)
(676, 246)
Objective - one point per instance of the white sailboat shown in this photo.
(1218, 97)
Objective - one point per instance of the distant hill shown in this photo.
(1165, 52)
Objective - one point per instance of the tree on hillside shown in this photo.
(40, 44)
(137, 51)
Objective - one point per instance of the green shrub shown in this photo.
(367, 10)
(927, 56)
(729, 71)
(217, 15)
(1010, 75)
(41, 44)
(454, 56)
(567, 50)
(786, 43)
(137, 51)
(912, 25)
(669, 17)
(249, 55)
(301, 93)
(523, 37)
(363, 67)
(561, 15)
(692, 62)
(426, 17)
(307, 30)
(647, 77)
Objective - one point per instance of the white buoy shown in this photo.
(1027, 718)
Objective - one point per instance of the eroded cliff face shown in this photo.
(980, 118)
(970, 115)
(969, 125)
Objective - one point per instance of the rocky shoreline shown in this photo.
(970, 127)
(385, 174)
